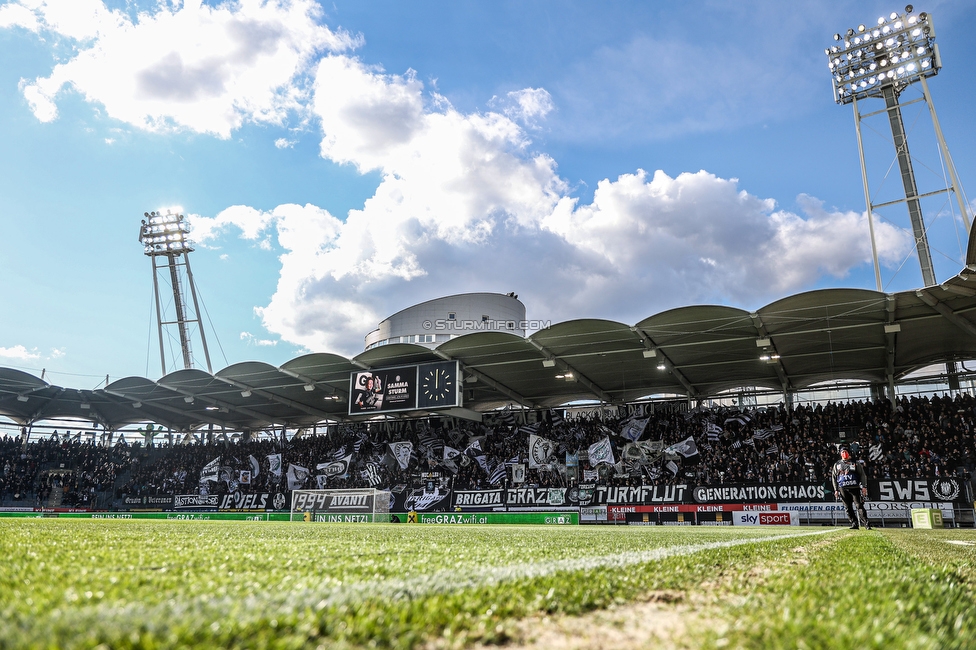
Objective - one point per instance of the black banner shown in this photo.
(938, 489)
(643, 495)
(343, 503)
(762, 493)
(148, 502)
(196, 501)
(427, 492)
(257, 502)
(479, 499)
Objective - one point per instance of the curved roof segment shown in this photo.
(793, 343)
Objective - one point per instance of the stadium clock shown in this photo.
(438, 385)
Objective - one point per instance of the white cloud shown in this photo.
(464, 206)
(284, 143)
(249, 221)
(14, 15)
(19, 353)
(527, 106)
(463, 203)
(251, 339)
(207, 69)
(80, 20)
(701, 238)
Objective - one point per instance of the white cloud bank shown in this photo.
(208, 69)
(464, 203)
(19, 353)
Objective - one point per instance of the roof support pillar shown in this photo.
(891, 304)
(962, 323)
(777, 362)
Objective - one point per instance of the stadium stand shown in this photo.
(921, 438)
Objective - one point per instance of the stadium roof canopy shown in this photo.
(698, 351)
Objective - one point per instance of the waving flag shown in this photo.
(401, 452)
(211, 471)
(875, 452)
(541, 451)
(296, 476)
(634, 429)
(686, 447)
(601, 452)
(274, 464)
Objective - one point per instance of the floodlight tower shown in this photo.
(880, 62)
(164, 239)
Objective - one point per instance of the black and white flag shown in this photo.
(875, 452)
(401, 452)
(601, 452)
(211, 471)
(372, 474)
(541, 451)
(497, 475)
(518, 473)
(634, 429)
(274, 464)
(296, 476)
(686, 447)
(337, 468)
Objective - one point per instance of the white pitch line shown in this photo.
(270, 605)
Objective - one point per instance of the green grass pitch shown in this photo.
(169, 584)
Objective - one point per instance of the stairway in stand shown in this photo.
(54, 499)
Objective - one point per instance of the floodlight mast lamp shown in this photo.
(880, 62)
(164, 237)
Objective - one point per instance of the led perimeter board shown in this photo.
(405, 388)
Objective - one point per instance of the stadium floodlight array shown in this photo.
(362, 505)
(899, 50)
(165, 234)
(880, 62)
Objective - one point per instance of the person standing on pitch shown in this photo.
(851, 485)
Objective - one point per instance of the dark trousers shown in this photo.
(854, 503)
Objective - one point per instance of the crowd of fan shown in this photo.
(80, 470)
(920, 438)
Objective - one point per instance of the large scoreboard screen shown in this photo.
(405, 388)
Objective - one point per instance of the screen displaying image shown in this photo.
(392, 389)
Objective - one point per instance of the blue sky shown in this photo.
(342, 161)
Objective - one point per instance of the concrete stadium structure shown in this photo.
(442, 319)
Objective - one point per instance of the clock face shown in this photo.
(438, 386)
